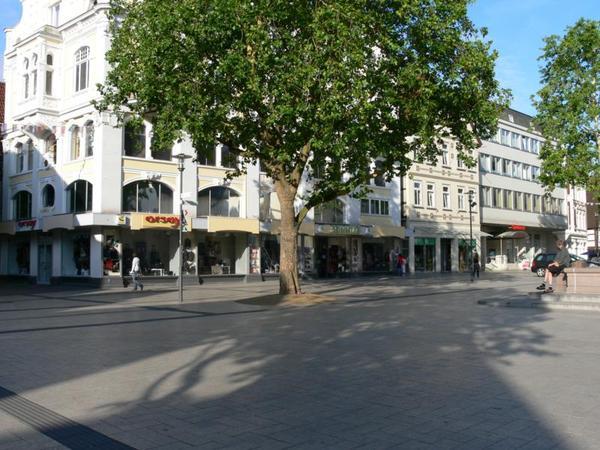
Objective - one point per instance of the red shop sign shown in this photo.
(517, 227)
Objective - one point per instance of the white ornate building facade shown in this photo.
(82, 194)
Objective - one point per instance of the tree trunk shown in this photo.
(289, 282)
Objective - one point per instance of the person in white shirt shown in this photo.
(135, 273)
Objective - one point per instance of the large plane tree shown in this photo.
(316, 90)
(568, 107)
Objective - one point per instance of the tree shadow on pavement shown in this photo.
(411, 372)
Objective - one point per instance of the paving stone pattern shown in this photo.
(392, 363)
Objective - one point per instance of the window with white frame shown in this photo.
(417, 193)
(34, 74)
(509, 202)
(519, 197)
(20, 161)
(82, 69)
(445, 156)
(51, 149)
(49, 73)
(461, 199)
(48, 195)
(55, 14)
(527, 202)
(485, 196)
(430, 195)
(446, 197)
(506, 167)
(459, 162)
(89, 138)
(373, 206)
(525, 143)
(514, 140)
(516, 169)
(527, 172)
(505, 200)
(496, 198)
(26, 78)
(535, 173)
(504, 136)
(483, 162)
(75, 142)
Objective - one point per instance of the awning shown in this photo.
(64, 221)
(388, 231)
(513, 235)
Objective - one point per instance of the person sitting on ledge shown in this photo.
(563, 260)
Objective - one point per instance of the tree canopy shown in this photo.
(314, 89)
(568, 107)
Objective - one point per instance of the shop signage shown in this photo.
(517, 227)
(344, 230)
(154, 221)
(169, 221)
(26, 225)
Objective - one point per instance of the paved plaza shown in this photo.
(391, 363)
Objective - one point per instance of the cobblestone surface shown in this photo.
(393, 363)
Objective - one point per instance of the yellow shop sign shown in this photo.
(154, 221)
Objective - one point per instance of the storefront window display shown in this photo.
(151, 246)
(425, 254)
(464, 261)
(216, 254)
(375, 257)
(332, 256)
(269, 253)
(76, 254)
(111, 256)
(18, 252)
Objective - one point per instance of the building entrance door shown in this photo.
(446, 254)
(44, 263)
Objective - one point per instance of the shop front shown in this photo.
(424, 254)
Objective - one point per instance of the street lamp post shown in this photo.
(472, 204)
(181, 157)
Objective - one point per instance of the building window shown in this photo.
(330, 212)
(516, 169)
(208, 158)
(496, 198)
(445, 156)
(417, 191)
(519, 199)
(483, 162)
(514, 140)
(82, 69)
(459, 162)
(485, 196)
(89, 138)
(79, 196)
(535, 146)
(147, 196)
(49, 74)
(75, 143)
(536, 204)
(375, 207)
(446, 197)
(55, 15)
(535, 173)
(525, 143)
(135, 140)
(228, 158)
(48, 196)
(527, 202)
(504, 136)
(505, 199)
(506, 167)
(430, 195)
(461, 199)
(20, 158)
(219, 201)
(22, 205)
(379, 178)
(364, 206)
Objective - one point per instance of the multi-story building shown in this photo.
(439, 220)
(82, 193)
(520, 216)
(593, 224)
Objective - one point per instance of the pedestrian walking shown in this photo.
(136, 273)
(476, 265)
(401, 264)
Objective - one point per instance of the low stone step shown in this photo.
(560, 297)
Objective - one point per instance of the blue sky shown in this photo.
(516, 28)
